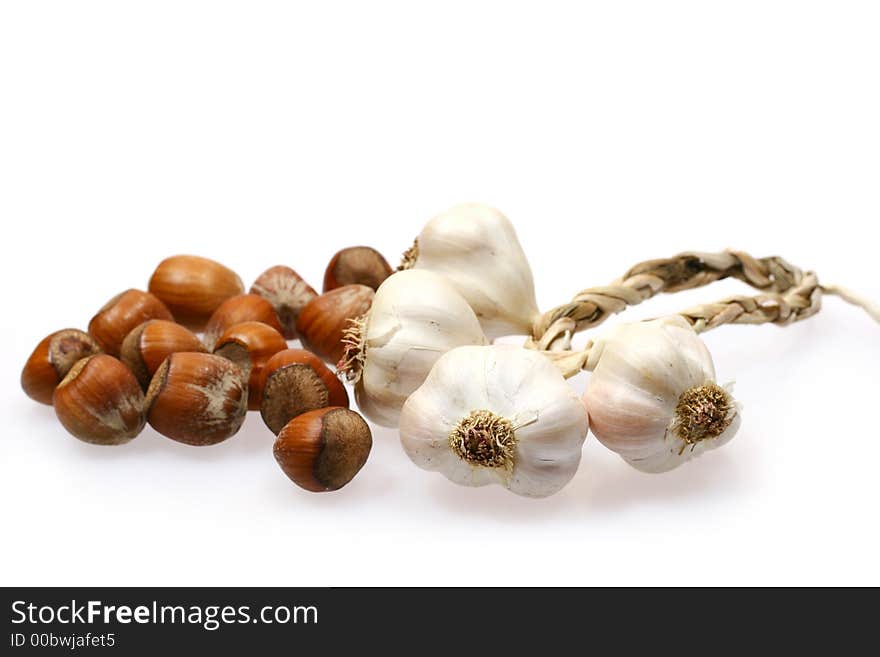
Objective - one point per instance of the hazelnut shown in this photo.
(356, 264)
(324, 320)
(52, 359)
(144, 349)
(295, 381)
(197, 399)
(121, 314)
(238, 309)
(100, 401)
(249, 345)
(287, 292)
(323, 449)
(193, 287)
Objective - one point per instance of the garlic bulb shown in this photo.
(476, 249)
(416, 317)
(498, 414)
(652, 397)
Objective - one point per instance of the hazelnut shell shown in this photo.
(52, 359)
(123, 313)
(287, 292)
(238, 309)
(295, 381)
(193, 287)
(324, 449)
(324, 320)
(249, 345)
(197, 399)
(100, 401)
(148, 345)
(363, 265)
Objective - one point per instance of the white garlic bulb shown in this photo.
(498, 414)
(415, 318)
(475, 248)
(652, 397)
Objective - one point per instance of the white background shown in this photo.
(265, 133)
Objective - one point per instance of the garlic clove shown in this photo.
(652, 397)
(427, 445)
(625, 419)
(673, 456)
(548, 454)
(415, 318)
(475, 247)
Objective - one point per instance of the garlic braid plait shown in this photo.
(800, 299)
(685, 271)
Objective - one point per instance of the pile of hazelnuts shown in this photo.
(193, 354)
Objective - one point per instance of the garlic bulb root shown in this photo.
(484, 439)
(354, 340)
(409, 257)
(702, 412)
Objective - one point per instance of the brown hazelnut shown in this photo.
(193, 287)
(238, 309)
(295, 381)
(249, 345)
(323, 449)
(52, 359)
(100, 401)
(356, 264)
(287, 292)
(121, 314)
(197, 399)
(324, 320)
(148, 345)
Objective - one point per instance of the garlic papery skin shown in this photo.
(652, 397)
(475, 248)
(415, 318)
(497, 414)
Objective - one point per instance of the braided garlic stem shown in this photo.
(684, 271)
(802, 300)
(799, 301)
